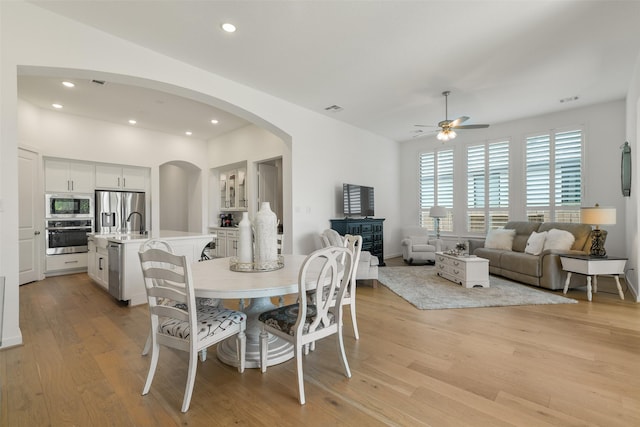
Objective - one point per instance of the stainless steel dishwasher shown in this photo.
(115, 269)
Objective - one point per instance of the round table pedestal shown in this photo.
(279, 349)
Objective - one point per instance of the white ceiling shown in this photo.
(119, 103)
(385, 62)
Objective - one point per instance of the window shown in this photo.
(487, 186)
(436, 187)
(554, 176)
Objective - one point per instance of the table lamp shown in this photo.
(598, 216)
(438, 212)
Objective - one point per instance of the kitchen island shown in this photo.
(114, 264)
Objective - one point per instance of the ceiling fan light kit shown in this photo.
(446, 135)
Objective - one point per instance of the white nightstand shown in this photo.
(593, 266)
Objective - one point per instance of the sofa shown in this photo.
(543, 269)
(368, 265)
(418, 247)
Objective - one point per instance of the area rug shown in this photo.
(423, 288)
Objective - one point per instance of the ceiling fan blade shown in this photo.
(426, 126)
(471, 127)
(459, 120)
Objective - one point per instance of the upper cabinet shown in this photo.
(121, 178)
(233, 190)
(64, 176)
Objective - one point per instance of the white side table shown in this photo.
(593, 266)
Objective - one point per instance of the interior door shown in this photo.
(268, 186)
(30, 223)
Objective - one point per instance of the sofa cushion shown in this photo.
(500, 239)
(493, 255)
(523, 231)
(535, 243)
(581, 232)
(522, 263)
(559, 239)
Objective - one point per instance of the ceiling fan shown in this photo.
(447, 126)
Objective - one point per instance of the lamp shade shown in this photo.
(598, 215)
(438, 212)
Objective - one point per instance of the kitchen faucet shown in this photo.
(141, 231)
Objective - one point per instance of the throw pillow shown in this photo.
(559, 239)
(535, 243)
(500, 239)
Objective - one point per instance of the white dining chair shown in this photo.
(182, 324)
(323, 272)
(354, 243)
(215, 302)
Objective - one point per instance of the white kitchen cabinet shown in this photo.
(233, 190)
(226, 242)
(220, 243)
(91, 259)
(121, 178)
(98, 264)
(102, 268)
(232, 243)
(66, 263)
(65, 176)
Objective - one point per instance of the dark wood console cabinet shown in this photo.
(371, 230)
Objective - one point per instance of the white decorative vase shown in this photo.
(245, 240)
(266, 226)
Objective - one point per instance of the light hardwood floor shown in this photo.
(573, 364)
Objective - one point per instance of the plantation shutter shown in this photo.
(568, 152)
(487, 186)
(554, 176)
(427, 188)
(436, 187)
(538, 171)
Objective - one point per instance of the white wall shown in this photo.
(174, 207)
(318, 160)
(603, 126)
(632, 203)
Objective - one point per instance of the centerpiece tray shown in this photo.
(255, 267)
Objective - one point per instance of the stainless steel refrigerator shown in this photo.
(120, 212)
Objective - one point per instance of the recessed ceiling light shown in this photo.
(132, 122)
(214, 121)
(58, 106)
(228, 27)
(188, 133)
(68, 84)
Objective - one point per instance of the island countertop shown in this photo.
(139, 238)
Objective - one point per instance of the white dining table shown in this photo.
(215, 279)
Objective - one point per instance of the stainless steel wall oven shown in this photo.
(67, 236)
